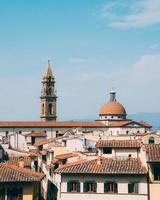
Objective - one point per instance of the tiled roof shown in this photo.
(106, 166)
(51, 124)
(118, 144)
(127, 122)
(71, 138)
(66, 155)
(36, 134)
(14, 160)
(12, 173)
(153, 152)
(49, 141)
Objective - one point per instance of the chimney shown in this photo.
(99, 160)
(21, 162)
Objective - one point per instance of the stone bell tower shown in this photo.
(48, 96)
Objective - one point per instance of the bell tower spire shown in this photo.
(48, 96)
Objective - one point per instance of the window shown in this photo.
(90, 186)
(133, 187)
(14, 194)
(42, 109)
(50, 109)
(50, 91)
(110, 187)
(151, 140)
(107, 150)
(156, 171)
(73, 186)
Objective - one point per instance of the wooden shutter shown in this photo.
(84, 187)
(136, 188)
(115, 188)
(95, 187)
(68, 186)
(130, 187)
(78, 186)
(106, 187)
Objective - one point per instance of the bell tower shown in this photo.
(48, 96)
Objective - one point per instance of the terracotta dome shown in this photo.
(113, 108)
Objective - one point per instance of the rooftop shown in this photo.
(106, 166)
(12, 173)
(118, 144)
(153, 152)
(52, 124)
(66, 155)
(36, 134)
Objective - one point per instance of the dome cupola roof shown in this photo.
(112, 107)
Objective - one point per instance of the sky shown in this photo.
(93, 46)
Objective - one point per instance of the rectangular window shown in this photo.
(107, 150)
(90, 186)
(133, 188)
(156, 171)
(73, 186)
(110, 187)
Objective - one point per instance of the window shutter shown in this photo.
(68, 187)
(95, 187)
(106, 187)
(84, 187)
(136, 188)
(78, 186)
(129, 187)
(115, 188)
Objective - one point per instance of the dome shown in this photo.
(113, 108)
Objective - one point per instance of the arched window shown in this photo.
(42, 109)
(151, 140)
(50, 91)
(50, 109)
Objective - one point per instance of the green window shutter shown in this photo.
(95, 187)
(130, 187)
(84, 187)
(68, 186)
(136, 188)
(106, 187)
(115, 188)
(78, 186)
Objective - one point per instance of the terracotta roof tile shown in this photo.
(49, 141)
(127, 122)
(12, 173)
(66, 155)
(14, 160)
(50, 124)
(36, 134)
(107, 166)
(118, 144)
(153, 152)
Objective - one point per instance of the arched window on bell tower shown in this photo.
(50, 91)
(43, 109)
(50, 109)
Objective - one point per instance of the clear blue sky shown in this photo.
(93, 46)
